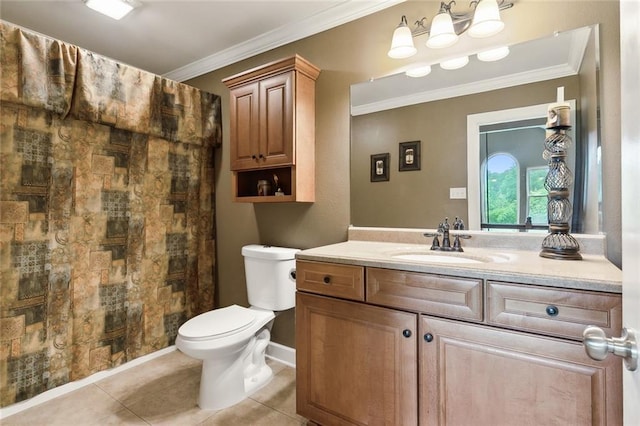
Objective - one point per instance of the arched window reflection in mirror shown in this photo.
(500, 195)
(517, 133)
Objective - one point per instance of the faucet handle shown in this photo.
(435, 244)
(458, 224)
(456, 241)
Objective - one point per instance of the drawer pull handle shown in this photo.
(406, 332)
(428, 337)
(326, 279)
(552, 311)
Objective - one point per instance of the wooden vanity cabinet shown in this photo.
(356, 364)
(272, 130)
(478, 375)
(486, 352)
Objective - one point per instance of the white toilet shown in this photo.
(232, 341)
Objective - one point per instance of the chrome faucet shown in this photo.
(443, 229)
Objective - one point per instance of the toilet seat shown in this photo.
(218, 323)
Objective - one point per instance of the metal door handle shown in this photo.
(599, 346)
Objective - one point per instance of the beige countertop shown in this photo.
(594, 272)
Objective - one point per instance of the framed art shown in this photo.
(409, 156)
(380, 167)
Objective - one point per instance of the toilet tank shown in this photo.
(268, 270)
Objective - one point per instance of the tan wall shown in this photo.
(353, 53)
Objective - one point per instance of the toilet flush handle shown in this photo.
(292, 274)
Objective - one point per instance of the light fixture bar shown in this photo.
(461, 21)
(115, 9)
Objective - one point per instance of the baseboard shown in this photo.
(282, 354)
(75, 385)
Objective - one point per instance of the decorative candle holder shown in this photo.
(559, 244)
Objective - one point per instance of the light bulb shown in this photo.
(486, 19)
(454, 64)
(494, 54)
(441, 34)
(402, 42)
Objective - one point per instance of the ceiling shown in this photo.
(182, 39)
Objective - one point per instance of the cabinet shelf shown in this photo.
(297, 186)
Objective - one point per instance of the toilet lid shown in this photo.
(217, 323)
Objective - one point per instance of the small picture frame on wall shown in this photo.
(409, 156)
(380, 167)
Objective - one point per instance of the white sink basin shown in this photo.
(449, 257)
(436, 258)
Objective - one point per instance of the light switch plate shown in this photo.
(457, 193)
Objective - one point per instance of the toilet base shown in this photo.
(223, 385)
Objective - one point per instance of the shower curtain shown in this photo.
(107, 231)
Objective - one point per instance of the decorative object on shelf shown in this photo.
(380, 167)
(409, 156)
(264, 187)
(279, 191)
(558, 244)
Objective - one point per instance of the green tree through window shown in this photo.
(537, 194)
(501, 190)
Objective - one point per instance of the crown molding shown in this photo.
(502, 82)
(342, 13)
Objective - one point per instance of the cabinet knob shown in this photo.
(253, 157)
(428, 337)
(406, 332)
(261, 157)
(552, 310)
(326, 279)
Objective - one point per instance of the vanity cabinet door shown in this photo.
(355, 364)
(477, 375)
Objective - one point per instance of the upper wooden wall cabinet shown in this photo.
(272, 116)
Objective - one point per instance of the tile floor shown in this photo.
(164, 391)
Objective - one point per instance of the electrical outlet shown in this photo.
(457, 193)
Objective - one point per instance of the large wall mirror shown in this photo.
(431, 115)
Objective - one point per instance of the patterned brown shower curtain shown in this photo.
(107, 231)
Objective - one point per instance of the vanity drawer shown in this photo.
(331, 279)
(445, 296)
(551, 311)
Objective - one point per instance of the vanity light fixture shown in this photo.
(402, 41)
(483, 20)
(115, 9)
(454, 64)
(418, 70)
(494, 54)
(486, 20)
(442, 34)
